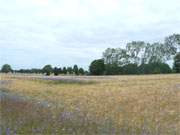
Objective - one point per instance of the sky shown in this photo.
(34, 33)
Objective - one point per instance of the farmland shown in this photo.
(125, 105)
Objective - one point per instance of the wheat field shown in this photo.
(82, 105)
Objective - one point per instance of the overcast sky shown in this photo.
(67, 32)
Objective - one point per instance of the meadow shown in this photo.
(90, 105)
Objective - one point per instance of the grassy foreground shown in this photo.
(123, 105)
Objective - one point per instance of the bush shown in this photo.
(64, 70)
(69, 70)
(154, 68)
(6, 68)
(56, 71)
(76, 70)
(81, 71)
(97, 67)
(176, 66)
(112, 69)
(47, 69)
(130, 69)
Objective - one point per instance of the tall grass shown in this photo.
(127, 105)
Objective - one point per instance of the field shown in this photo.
(122, 105)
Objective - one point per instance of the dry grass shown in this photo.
(113, 105)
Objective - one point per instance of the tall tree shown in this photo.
(154, 53)
(56, 71)
(136, 50)
(64, 70)
(177, 63)
(75, 69)
(116, 56)
(172, 43)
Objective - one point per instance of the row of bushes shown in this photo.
(47, 69)
(153, 68)
(98, 67)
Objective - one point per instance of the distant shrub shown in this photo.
(81, 71)
(47, 69)
(97, 67)
(130, 69)
(64, 70)
(56, 71)
(176, 66)
(6, 68)
(76, 70)
(154, 68)
(112, 69)
(69, 70)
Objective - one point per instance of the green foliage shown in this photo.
(56, 71)
(69, 70)
(60, 70)
(130, 69)
(6, 68)
(64, 70)
(144, 69)
(97, 67)
(154, 68)
(47, 69)
(112, 69)
(29, 71)
(76, 70)
(81, 71)
(177, 63)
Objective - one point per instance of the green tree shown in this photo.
(112, 69)
(75, 69)
(130, 69)
(176, 66)
(64, 70)
(154, 68)
(97, 67)
(47, 69)
(56, 71)
(6, 68)
(60, 71)
(70, 70)
(81, 71)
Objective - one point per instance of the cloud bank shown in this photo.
(67, 32)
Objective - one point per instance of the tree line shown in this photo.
(98, 67)
(139, 57)
(47, 70)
